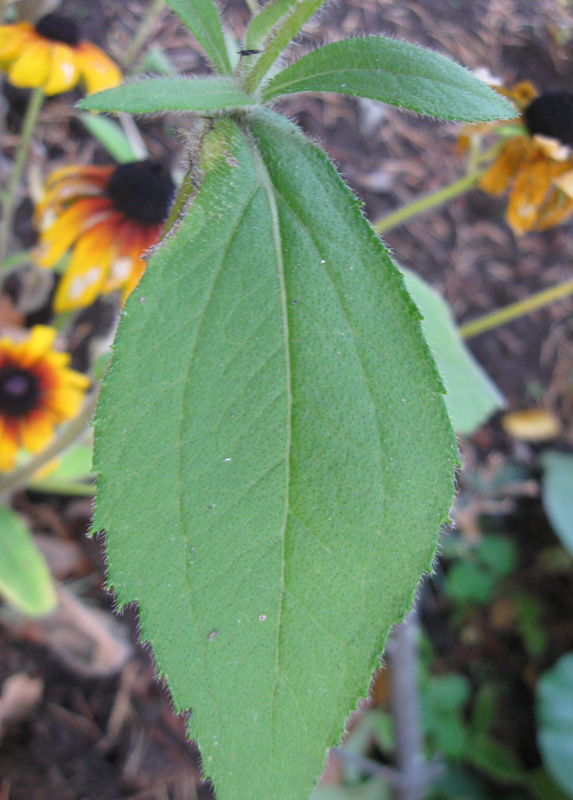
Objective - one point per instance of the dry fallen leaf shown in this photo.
(532, 425)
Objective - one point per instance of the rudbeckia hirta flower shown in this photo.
(52, 56)
(109, 217)
(536, 167)
(37, 392)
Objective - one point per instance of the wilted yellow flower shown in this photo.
(37, 392)
(52, 56)
(109, 217)
(536, 167)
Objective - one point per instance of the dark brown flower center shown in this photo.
(59, 28)
(551, 114)
(142, 191)
(19, 391)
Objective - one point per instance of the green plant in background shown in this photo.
(273, 450)
(24, 576)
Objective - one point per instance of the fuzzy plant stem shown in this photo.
(414, 774)
(428, 202)
(9, 200)
(515, 310)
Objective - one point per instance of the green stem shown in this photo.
(24, 474)
(282, 38)
(429, 201)
(143, 32)
(28, 126)
(515, 310)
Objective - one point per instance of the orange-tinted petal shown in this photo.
(88, 269)
(64, 72)
(529, 189)
(131, 245)
(75, 220)
(36, 430)
(98, 70)
(500, 174)
(523, 93)
(95, 174)
(555, 208)
(13, 38)
(8, 445)
(31, 69)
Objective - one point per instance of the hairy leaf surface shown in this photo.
(275, 458)
(202, 19)
(170, 94)
(398, 73)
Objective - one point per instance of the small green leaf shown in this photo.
(557, 494)
(471, 396)
(274, 457)
(202, 19)
(555, 721)
(202, 95)
(24, 577)
(156, 62)
(110, 135)
(469, 583)
(265, 20)
(494, 758)
(394, 72)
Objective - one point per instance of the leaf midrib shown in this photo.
(396, 73)
(269, 189)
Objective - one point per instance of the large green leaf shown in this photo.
(24, 577)
(275, 458)
(394, 72)
(555, 721)
(557, 494)
(202, 19)
(202, 95)
(472, 397)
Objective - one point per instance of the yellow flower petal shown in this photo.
(64, 72)
(88, 269)
(65, 403)
(98, 70)
(532, 425)
(529, 189)
(36, 430)
(8, 445)
(40, 341)
(31, 69)
(75, 220)
(12, 39)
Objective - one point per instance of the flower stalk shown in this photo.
(143, 32)
(515, 310)
(429, 201)
(31, 118)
